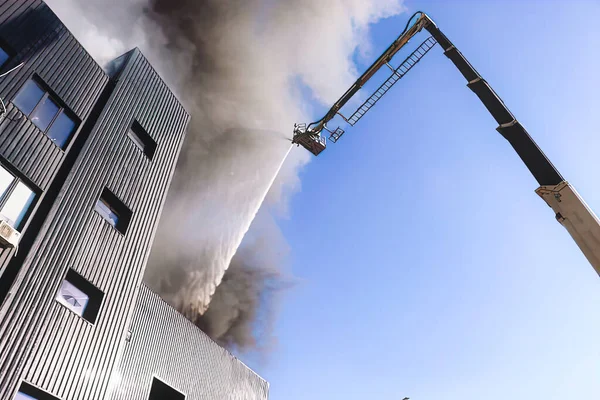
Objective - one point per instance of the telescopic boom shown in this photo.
(570, 209)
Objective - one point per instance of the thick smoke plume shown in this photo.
(242, 68)
(242, 310)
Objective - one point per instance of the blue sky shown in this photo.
(429, 266)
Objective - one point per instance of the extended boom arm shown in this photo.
(570, 209)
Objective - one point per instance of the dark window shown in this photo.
(61, 129)
(16, 199)
(80, 296)
(4, 56)
(6, 52)
(142, 139)
(28, 97)
(113, 210)
(107, 212)
(46, 111)
(162, 391)
(28, 392)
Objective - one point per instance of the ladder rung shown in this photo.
(397, 74)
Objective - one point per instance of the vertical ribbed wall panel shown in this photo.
(43, 342)
(166, 345)
(47, 48)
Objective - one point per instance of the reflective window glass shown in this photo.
(136, 139)
(61, 130)
(28, 97)
(72, 298)
(142, 139)
(6, 179)
(23, 396)
(3, 56)
(104, 209)
(17, 204)
(28, 392)
(44, 113)
(113, 210)
(80, 296)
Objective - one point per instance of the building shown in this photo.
(86, 158)
(158, 326)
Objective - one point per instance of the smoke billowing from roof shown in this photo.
(242, 68)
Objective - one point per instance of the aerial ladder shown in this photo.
(569, 207)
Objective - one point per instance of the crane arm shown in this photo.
(309, 136)
(386, 56)
(569, 207)
(508, 126)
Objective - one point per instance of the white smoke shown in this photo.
(238, 66)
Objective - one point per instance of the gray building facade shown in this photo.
(86, 159)
(200, 369)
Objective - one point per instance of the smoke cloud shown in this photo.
(243, 69)
(244, 306)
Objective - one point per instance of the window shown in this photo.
(113, 210)
(80, 296)
(142, 139)
(162, 391)
(4, 55)
(46, 112)
(16, 198)
(107, 212)
(6, 52)
(28, 392)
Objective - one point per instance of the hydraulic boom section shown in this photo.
(309, 136)
(570, 209)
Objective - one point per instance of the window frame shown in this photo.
(141, 139)
(111, 209)
(124, 213)
(62, 109)
(4, 197)
(95, 296)
(42, 101)
(8, 49)
(33, 391)
(164, 382)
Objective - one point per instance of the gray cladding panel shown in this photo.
(165, 344)
(48, 49)
(40, 340)
(37, 37)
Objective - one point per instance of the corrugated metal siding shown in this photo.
(40, 340)
(49, 50)
(39, 39)
(166, 345)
